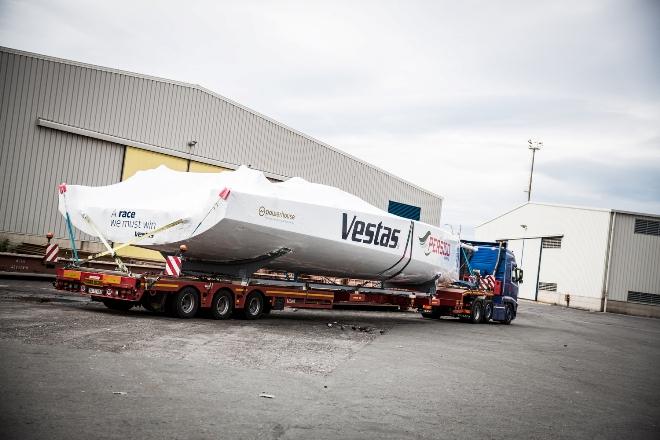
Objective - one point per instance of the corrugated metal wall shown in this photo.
(151, 111)
(578, 267)
(33, 160)
(635, 261)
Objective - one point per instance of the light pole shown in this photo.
(533, 145)
(191, 145)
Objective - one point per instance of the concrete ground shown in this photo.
(71, 369)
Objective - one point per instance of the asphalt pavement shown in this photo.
(72, 369)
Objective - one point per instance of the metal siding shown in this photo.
(152, 111)
(14, 139)
(120, 116)
(22, 139)
(635, 260)
(34, 159)
(163, 92)
(38, 162)
(224, 142)
(578, 267)
(129, 122)
(5, 75)
(29, 197)
(101, 99)
(79, 93)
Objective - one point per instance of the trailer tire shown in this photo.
(477, 311)
(184, 304)
(488, 312)
(222, 305)
(155, 304)
(254, 305)
(115, 304)
(508, 314)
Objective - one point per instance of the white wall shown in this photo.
(578, 267)
(527, 256)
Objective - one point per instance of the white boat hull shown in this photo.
(328, 231)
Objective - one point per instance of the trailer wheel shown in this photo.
(185, 303)
(153, 304)
(254, 305)
(508, 314)
(477, 313)
(488, 312)
(222, 305)
(115, 304)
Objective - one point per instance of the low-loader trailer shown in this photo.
(488, 290)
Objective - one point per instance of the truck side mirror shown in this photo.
(518, 275)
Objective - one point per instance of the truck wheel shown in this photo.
(222, 305)
(508, 314)
(477, 313)
(115, 304)
(254, 306)
(185, 303)
(488, 312)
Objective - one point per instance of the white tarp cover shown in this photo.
(329, 231)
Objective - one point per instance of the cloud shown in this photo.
(637, 183)
(444, 94)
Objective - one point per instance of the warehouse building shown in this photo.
(596, 259)
(64, 121)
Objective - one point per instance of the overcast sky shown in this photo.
(444, 94)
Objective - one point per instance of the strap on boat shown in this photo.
(98, 233)
(113, 251)
(215, 205)
(120, 264)
(467, 262)
(72, 237)
(69, 227)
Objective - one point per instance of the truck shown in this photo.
(487, 289)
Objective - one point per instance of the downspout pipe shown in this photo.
(608, 257)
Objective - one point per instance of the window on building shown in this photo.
(644, 298)
(550, 287)
(551, 242)
(648, 227)
(404, 210)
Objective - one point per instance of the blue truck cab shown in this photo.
(487, 288)
(492, 266)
